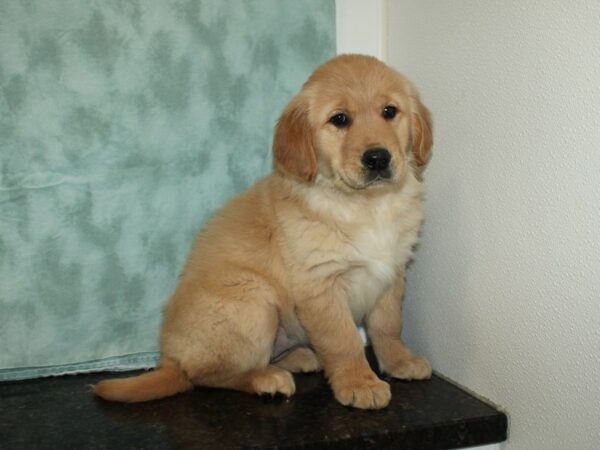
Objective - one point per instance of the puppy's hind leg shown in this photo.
(229, 341)
(300, 359)
(267, 380)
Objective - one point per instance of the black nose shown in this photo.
(377, 159)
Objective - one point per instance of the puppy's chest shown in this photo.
(363, 251)
(375, 256)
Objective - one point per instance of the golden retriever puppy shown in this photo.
(278, 280)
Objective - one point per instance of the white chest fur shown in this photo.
(373, 241)
(380, 253)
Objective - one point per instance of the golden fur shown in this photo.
(279, 278)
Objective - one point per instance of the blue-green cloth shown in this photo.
(123, 126)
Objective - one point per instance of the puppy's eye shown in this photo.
(340, 120)
(389, 112)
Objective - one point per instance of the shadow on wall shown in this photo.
(449, 232)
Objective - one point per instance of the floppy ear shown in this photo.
(293, 145)
(422, 134)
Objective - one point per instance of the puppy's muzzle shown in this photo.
(376, 162)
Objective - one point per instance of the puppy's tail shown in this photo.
(166, 380)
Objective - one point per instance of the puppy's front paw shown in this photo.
(411, 368)
(364, 392)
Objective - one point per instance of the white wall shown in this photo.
(360, 27)
(504, 294)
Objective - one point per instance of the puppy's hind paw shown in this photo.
(273, 380)
(302, 359)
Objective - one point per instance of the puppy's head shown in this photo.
(357, 123)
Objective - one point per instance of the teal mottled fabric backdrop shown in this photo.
(123, 126)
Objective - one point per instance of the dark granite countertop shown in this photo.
(62, 413)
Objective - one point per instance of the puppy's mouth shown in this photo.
(368, 179)
(376, 177)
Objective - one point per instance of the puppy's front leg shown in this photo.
(384, 325)
(331, 330)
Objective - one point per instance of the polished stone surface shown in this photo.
(63, 413)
